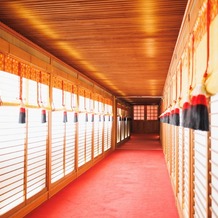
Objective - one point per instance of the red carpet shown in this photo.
(142, 142)
(127, 184)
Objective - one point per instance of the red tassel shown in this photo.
(168, 116)
(87, 117)
(93, 118)
(43, 120)
(163, 117)
(22, 115)
(176, 116)
(75, 117)
(65, 117)
(186, 116)
(199, 109)
(171, 117)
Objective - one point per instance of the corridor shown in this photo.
(131, 182)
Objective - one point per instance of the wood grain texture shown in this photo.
(124, 45)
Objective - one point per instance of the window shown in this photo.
(152, 112)
(81, 103)
(139, 112)
(12, 156)
(63, 137)
(23, 145)
(107, 133)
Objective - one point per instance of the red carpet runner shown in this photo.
(127, 184)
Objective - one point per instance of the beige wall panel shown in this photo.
(41, 64)
(14, 50)
(4, 46)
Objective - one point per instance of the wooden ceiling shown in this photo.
(124, 45)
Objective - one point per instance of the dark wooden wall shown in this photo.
(144, 126)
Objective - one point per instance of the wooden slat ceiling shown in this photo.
(124, 45)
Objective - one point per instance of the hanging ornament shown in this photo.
(186, 113)
(164, 117)
(63, 104)
(176, 114)
(199, 109)
(75, 117)
(120, 118)
(168, 116)
(43, 116)
(171, 116)
(99, 118)
(93, 118)
(87, 117)
(65, 117)
(186, 120)
(199, 105)
(39, 99)
(22, 112)
(161, 118)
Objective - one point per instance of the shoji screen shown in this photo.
(214, 109)
(98, 128)
(201, 137)
(100, 132)
(173, 154)
(97, 136)
(37, 152)
(12, 139)
(125, 128)
(37, 136)
(186, 175)
(180, 165)
(200, 173)
(128, 127)
(81, 138)
(107, 127)
(168, 145)
(122, 129)
(57, 139)
(70, 143)
(9, 89)
(214, 156)
(12, 156)
(118, 128)
(89, 126)
(85, 126)
(119, 118)
(23, 145)
(63, 145)
(63, 135)
(107, 133)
